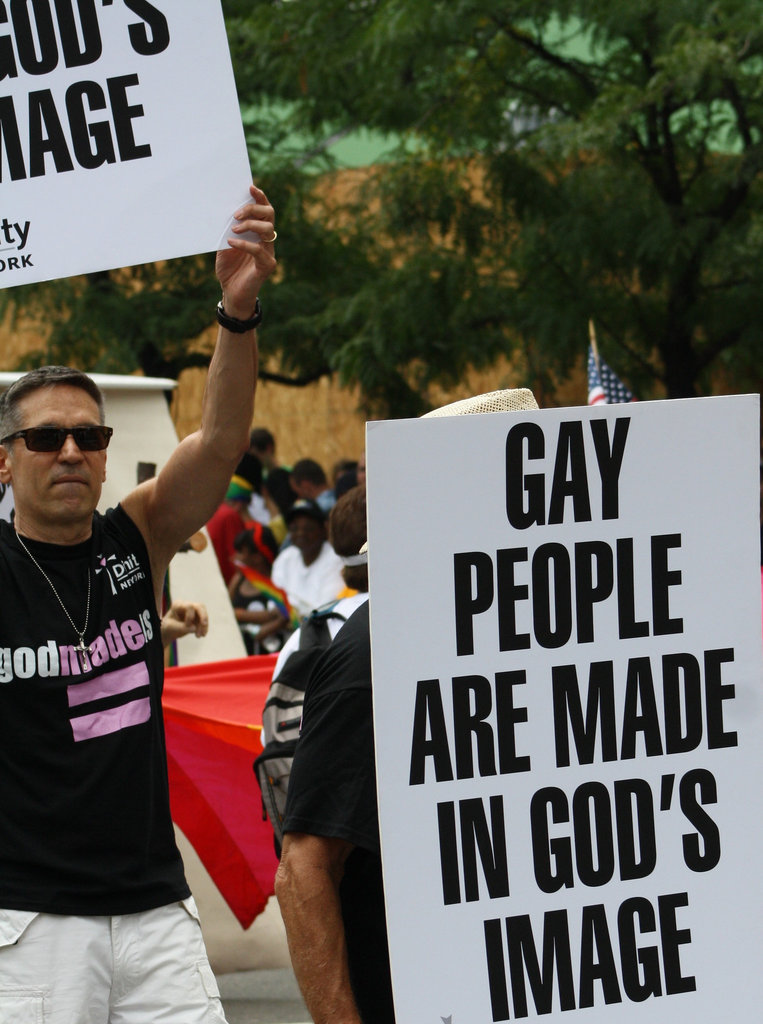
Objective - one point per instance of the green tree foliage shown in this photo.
(547, 163)
(556, 161)
(122, 321)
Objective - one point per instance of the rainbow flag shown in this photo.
(267, 587)
(213, 716)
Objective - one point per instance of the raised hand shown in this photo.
(242, 268)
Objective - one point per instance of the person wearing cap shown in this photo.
(309, 570)
(347, 534)
(232, 516)
(329, 880)
(262, 625)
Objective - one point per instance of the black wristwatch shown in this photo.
(230, 323)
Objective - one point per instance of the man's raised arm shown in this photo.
(173, 505)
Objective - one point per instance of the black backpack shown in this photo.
(282, 716)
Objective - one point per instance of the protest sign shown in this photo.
(566, 645)
(120, 135)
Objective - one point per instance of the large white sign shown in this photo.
(120, 135)
(566, 638)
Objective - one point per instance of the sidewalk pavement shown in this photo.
(253, 969)
(262, 997)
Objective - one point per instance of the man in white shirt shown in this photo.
(309, 570)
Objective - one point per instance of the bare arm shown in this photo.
(183, 617)
(170, 507)
(307, 887)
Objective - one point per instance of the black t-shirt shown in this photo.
(85, 824)
(332, 793)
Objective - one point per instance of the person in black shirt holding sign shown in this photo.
(329, 881)
(96, 919)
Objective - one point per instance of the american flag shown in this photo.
(604, 386)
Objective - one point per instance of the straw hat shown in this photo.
(508, 400)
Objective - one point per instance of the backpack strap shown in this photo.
(282, 715)
(314, 630)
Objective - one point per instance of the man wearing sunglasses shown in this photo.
(96, 920)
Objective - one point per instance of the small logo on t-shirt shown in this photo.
(121, 573)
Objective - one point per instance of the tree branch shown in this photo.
(294, 382)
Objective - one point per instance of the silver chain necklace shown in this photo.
(82, 648)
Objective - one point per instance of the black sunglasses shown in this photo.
(51, 439)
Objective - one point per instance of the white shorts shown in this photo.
(147, 968)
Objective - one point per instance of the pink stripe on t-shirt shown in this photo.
(107, 685)
(114, 720)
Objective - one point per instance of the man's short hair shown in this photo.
(347, 522)
(249, 468)
(309, 470)
(348, 532)
(279, 489)
(261, 439)
(44, 377)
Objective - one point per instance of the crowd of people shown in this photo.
(272, 539)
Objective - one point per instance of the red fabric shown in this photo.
(223, 528)
(213, 721)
